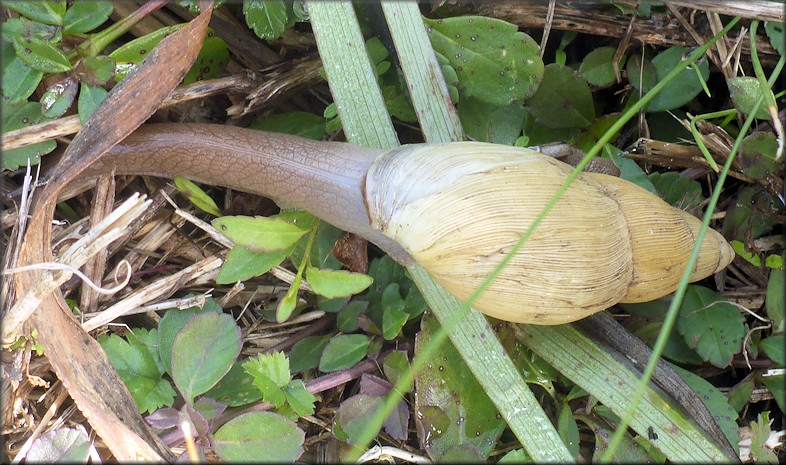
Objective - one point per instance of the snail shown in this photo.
(456, 209)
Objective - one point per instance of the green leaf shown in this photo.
(711, 325)
(392, 322)
(775, 302)
(259, 234)
(96, 71)
(717, 404)
(298, 123)
(761, 433)
(750, 257)
(19, 80)
(274, 366)
(47, 12)
(745, 91)
(751, 214)
(641, 74)
(203, 352)
(259, 437)
(598, 67)
(337, 283)
(271, 392)
(212, 58)
(298, 397)
(486, 122)
(42, 56)
(757, 155)
(267, 18)
(451, 407)
(515, 456)
(64, 445)
(343, 351)
(90, 98)
(773, 347)
(86, 15)
(395, 365)
(677, 190)
(16, 117)
(136, 50)
(774, 30)
(563, 99)
(494, 62)
(172, 322)
(354, 415)
(197, 196)
(137, 368)
(568, 429)
(59, 97)
(776, 383)
(307, 352)
(242, 264)
(774, 262)
(682, 89)
(236, 388)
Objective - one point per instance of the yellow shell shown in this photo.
(458, 208)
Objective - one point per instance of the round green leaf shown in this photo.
(90, 97)
(307, 352)
(259, 437)
(343, 351)
(203, 352)
(745, 92)
(336, 283)
(682, 89)
(19, 116)
(757, 155)
(19, 80)
(641, 73)
(598, 67)
(711, 325)
(259, 234)
(494, 62)
(774, 30)
(563, 99)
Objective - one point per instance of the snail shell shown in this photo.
(458, 208)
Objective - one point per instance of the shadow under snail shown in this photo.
(456, 209)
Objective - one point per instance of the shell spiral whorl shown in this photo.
(458, 208)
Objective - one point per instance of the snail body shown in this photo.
(456, 209)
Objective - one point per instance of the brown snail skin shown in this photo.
(455, 209)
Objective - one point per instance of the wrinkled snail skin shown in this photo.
(456, 209)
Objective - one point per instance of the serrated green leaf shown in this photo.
(90, 98)
(59, 97)
(86, 15)
(137, 368)
(598, 67)
(275, 366)
(236, 388)
(563, 99)
(197, 196)
(337, 283)
(203, 352)
(41, 56)
(259, 437)
(267, 18)
(761, 433)
(298, 397)
(242, 264)
(306, 353)
(677, 190)
(711, 325)
(683, 88)
(494, 62)
(16, 117)
(270, 391)
(259, 234)
(48, 12)
(19, 81)
(299, 123)
(343, 351)
(485, 122)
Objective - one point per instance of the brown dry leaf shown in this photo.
(76, 357)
